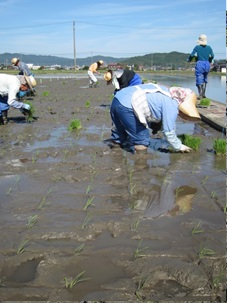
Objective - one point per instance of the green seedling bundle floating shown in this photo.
(74, 125)
(219, 147)
(190, 141)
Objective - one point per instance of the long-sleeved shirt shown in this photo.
(203, 53)
(162, 108)
(24, 69)
(10, 86)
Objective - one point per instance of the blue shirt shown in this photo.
(203, 53)
(162, 107)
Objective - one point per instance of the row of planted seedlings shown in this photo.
(216, 280)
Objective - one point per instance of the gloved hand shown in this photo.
(185, 149)
(26, 106)
(25, 109)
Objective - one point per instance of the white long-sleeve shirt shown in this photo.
(10, 86)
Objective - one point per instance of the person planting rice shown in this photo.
(12, 89)
(93, 69)
(135, 109)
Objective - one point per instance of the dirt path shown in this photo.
(138, 228)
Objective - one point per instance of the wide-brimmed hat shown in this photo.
(202, 40)
(15, 60)
(30, 81)
(186, 99)
(107, 76)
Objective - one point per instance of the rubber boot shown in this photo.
(204, 90)
(5, 116)
(200, 90)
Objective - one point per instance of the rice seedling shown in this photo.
(205, 180)
(205, 252)
(219, 146)
(191, 141)
(43, 203)
(9, 190)
(79, 249)
(197, 230)
(132, 186)
(213, 194)
(138, 251)
(30, 115)
(71, 282)
(22, 246)
(218, 280)
(88, 189)
(88, 203)
(46, 93)
(87, 104)
(74, 125)
(86, 221)
(32, 220)
(135, 225)
(140, 285)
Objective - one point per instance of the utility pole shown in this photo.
(74, 45)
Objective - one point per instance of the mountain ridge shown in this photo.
(172, 59)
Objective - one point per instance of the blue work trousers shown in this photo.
(128, 129)
(3, 104)
(202, 70)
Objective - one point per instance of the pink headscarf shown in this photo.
(180, 94)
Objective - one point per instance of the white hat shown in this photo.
(100, 62)
(202, 40)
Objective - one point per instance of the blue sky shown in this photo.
(119, 28)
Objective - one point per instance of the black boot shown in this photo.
(204, 90)
(5, 116)
(200, 90)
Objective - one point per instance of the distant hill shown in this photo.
(171, 60)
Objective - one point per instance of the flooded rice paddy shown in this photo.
(82, 221)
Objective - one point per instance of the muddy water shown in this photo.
(136, 227)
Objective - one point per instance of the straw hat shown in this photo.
(202, 40)
(188, 106)
(186, 99)
(14, 61)
(30, 81)
(107, 76)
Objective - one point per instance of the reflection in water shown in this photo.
(166, 200)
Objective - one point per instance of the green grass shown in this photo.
(74, 125)
(219, 146)
(46, 93)
(190, 141)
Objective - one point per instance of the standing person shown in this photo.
(135, 108)
(93, 69)
(23, 68)
(204, 56)
(10, 87)
(122, 78)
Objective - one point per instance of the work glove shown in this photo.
(25, 109)
(185, 149)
